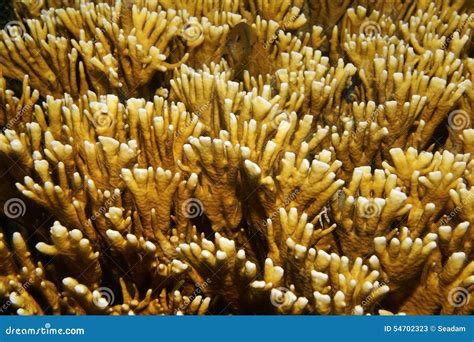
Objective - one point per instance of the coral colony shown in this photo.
(181, 157)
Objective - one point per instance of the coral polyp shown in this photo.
(229, 157)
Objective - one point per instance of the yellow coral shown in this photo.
(237, 157)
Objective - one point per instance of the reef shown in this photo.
(223, 157)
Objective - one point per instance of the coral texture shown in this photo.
(237, 157)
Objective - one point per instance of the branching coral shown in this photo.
(237, 157)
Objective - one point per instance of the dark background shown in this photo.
(6, 12)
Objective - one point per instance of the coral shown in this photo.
(166, 157)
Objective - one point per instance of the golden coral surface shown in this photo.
(181, 157)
